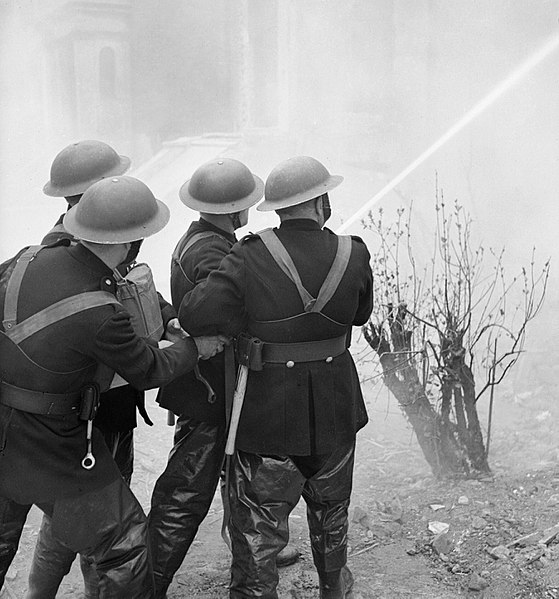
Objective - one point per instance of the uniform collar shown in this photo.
(300, 224)
(204, 225)
(80, 253)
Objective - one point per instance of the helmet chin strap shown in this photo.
(133, 252)
(236, 220)
(326, 208)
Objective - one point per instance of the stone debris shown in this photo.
(499, 552)
(391, 511)
(443, 544)
(382, 529)
(360, 516)
(478, 522)
(477, 582)
(437, 527)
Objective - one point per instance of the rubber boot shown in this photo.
(12, 520)
(337, 584)
(90, 579)
(161, 587)
(51, 562)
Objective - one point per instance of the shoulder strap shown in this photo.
(332, 280)
(14, 283)
(58, 311)
(335, 273)
(179, 255)
(179, 252)
(284, 261)
(17, 332)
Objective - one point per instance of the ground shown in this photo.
(399, 514)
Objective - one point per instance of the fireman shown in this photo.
(300, 289)
(75, 168)
(222, 191)
(63, 335)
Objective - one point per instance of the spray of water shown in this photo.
(502, 88)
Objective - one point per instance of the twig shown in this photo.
(371, 546)
(491, 393)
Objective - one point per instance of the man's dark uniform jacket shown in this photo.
(310, 407)
(117, 411)
(40, 456)
(187, 395)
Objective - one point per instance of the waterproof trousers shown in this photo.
(263, 490)
(109, 528)
(52, 559)
(182, 496)
(12, 520)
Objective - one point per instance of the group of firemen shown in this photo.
(253, 364)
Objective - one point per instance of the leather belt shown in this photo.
(37, 402)
(309, 351)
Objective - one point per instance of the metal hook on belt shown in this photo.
(88, 410)
(204, 381)
(89, 459)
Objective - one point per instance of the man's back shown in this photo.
(296, 408)
(42, 453)
(198, 253)
(274, 307)
(65, 354)
(62, 354)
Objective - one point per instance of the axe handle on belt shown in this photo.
(238, 399)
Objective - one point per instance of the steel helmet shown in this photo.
(295, 181)
(116, 210)
(81, 164)
(222, 186)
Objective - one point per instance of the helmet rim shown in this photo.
(227, 207)
(95, 207)
(222, 185)
(108, 237)
(308, 194)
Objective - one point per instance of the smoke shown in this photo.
(365, 86)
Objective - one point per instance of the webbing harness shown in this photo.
(178, 255)
(18, 332)
(332, 280)
(84, 402)
(26, 399)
